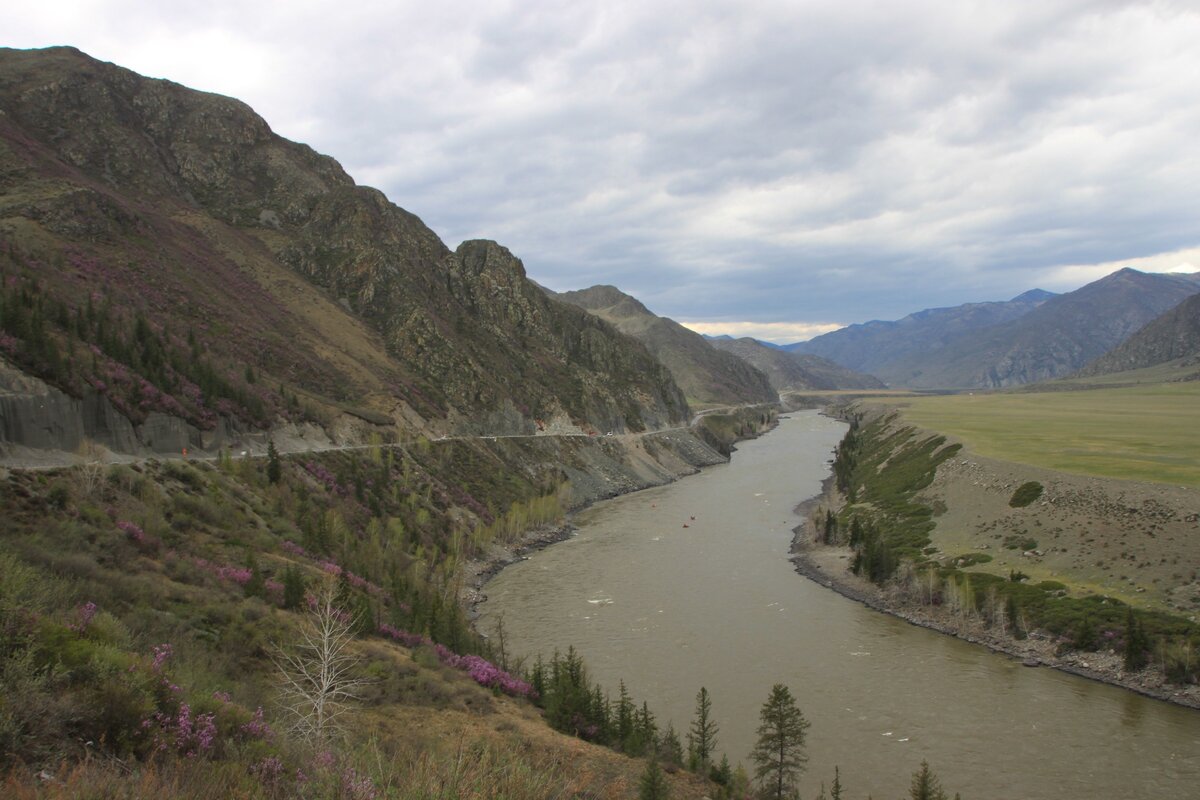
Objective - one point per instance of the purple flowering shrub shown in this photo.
(482, 671)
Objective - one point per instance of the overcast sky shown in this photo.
(760, 168)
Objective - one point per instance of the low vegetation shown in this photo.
(289, 627)
(1025, 494)
(882, 465)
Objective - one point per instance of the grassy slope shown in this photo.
(162, 550)
(1146, 433)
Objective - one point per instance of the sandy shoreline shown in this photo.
(829, 566)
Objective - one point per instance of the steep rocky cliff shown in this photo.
(164, 249)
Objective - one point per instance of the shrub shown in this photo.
(1025, 494)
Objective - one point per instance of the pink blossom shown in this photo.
(293, 548)
(162, 652)
(133, 531)
(257, 727)
(358, 787)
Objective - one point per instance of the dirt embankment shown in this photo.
(1079, 520)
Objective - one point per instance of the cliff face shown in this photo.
(183, 209)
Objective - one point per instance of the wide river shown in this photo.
(689, 585)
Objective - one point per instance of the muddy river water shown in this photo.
(689, 585)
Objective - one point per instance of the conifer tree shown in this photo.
(702, 738)
(1136, 642)
(835, 791)
(779, 753)
(256, 586)
(670, 750)
(293, 587)
(925, 785)
(653, 784)
(274, 468)
(722, 773)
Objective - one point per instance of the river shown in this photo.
(689, 585)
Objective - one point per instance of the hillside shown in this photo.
(147, 612)
(1171, 340)
(163, 249)
(873, 347)
(792, 370)
(706, 375)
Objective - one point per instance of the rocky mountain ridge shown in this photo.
(181, 215)
(1172, 337)
(707, 375)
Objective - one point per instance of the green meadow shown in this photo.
(1144, 432)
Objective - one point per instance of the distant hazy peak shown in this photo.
(1033, 296)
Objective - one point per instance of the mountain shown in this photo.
(163, 249)
(992, 345)
(873, 347)
(1055, 339)
(1172, 337)
(707, 375)
(790, 370)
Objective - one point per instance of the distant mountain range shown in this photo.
(1033, 337)
(791, 370)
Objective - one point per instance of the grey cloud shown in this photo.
(765, 161)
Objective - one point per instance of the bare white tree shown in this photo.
(90, 472)
(317, 672)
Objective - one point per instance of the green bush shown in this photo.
(971, 559)
(1025, 494)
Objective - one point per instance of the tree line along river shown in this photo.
(689, 585)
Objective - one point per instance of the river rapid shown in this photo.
(689, 585)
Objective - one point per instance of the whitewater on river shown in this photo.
(689, 585)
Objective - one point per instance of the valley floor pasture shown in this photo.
(1139, 433)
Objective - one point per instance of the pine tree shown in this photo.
(779, 753)
(670, 750)
(702, 738)
(835, 791)
(274, 468)
(1136, 642)
(1014, 617)
(625, 715)
(654, 784)
(256, 586)
(925, 785)
(722, 773)
(293, 587)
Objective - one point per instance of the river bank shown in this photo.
(829, 566)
